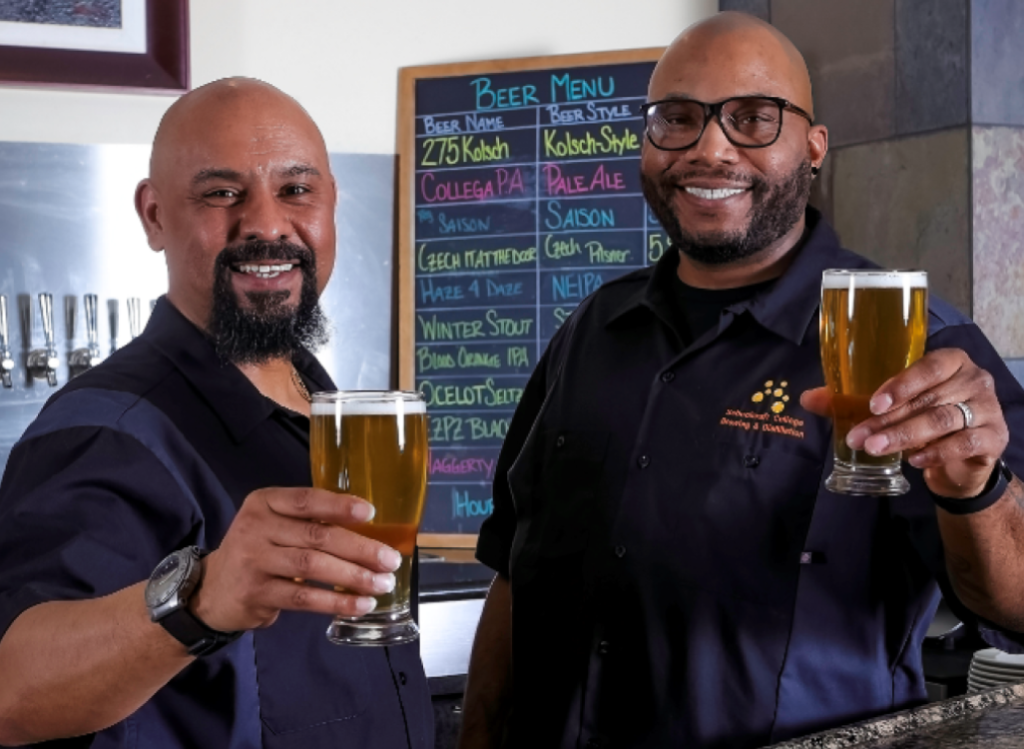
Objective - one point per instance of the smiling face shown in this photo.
(721, 203)
(241, 199)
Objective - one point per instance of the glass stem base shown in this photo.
(871, 481)
(395, 627)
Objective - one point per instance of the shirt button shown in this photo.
(620, 551)
(643, 461)
(402, 678)
(751, 461)
(560, 441)
(668, 377)
(602, 647)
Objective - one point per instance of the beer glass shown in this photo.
(373, 444)
(873, 325)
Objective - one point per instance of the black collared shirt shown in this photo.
(155, 450)
(698, 310)
(679, 574)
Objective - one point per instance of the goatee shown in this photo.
(270, 328)
(775, 209)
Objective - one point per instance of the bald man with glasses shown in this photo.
(670, 569)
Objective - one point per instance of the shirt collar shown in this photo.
(227, 392)
(786, 307)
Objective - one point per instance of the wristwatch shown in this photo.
(167, 594)
(992, 493)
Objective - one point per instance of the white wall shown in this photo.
(340, 58)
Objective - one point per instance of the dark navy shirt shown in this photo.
(155, 450)
(679, 574)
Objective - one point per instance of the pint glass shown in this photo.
(873, 326)
(373, 444)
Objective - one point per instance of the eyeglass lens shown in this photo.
(747, 122)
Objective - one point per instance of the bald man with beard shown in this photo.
(184, 460)
(670, 569)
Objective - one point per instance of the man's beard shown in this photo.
(775, 209)
(269, 328)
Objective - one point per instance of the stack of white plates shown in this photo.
(992, 668)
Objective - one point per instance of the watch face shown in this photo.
(165, 580)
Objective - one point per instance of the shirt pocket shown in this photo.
(746, 513)
(305, 681)
(555, 512)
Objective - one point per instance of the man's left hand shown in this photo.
(916, 414)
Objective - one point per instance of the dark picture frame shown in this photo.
(162, 68)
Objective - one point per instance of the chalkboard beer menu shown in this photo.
(520, 196)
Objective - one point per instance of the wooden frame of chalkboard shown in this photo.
(464, 144)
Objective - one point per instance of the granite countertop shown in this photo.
(993, 719)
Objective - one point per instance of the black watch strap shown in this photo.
(992, 493)
(200, 640)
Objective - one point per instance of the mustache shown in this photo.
(255, 250)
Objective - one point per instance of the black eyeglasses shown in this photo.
(747, 121)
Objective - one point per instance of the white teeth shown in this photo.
(266, 271)
(721, 194)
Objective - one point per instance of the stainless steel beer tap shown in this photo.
(43, 362)
(134, 316)
(6, 362)
(113, 316)
(85, 358)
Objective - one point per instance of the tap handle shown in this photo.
(70, 318)
(113, 311)
(43, 362)
(5, 336)
(46, 310)
(91, 321)
(6, 362)
(134, 316)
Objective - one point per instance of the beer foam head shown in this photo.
(874, 279)
(368, 406)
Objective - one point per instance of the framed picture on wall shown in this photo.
(139, 45)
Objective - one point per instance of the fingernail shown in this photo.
(876, 444)
(880, 403)
(363, 511)
(365, 605)
(856, 437)
(390, 559)
(916, 460)
(384, 582)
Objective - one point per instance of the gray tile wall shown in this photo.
(998, 249)
(1016, 367)
(759, 8)
(997, 62)
(931, 65)
(904, 203)
(850, 52)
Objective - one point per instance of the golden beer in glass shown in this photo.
(874, 324)
(373, 445)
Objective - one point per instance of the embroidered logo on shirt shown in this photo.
(766, 413)
(771, 391)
